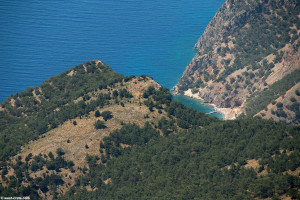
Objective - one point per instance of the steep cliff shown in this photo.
(246, 48)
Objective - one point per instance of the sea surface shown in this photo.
(39, 39)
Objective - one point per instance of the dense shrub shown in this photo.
(99, 124)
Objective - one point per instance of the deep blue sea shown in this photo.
(39, 39)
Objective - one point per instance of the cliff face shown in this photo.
(247, 47)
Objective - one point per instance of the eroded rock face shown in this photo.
(244, 50)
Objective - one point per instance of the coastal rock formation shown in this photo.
(246, 48)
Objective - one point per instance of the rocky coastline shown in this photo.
(232, 66)
(227, 113)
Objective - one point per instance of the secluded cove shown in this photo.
(198, 105)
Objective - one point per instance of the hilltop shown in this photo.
(247, 50)
(61, 114)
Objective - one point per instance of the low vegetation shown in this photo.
(258, 101)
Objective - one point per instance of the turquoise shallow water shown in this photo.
(39, 39)
(198, 105)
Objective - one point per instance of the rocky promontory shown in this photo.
(245, 49)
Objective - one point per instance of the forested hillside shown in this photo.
(226, 160)
(52, 127)
(26, 115)
(248, 48)
(90, 133)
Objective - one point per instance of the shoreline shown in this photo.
(227, 113)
